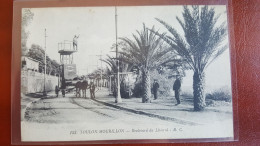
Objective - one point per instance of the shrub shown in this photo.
(165, 83)
(222, 94)
(186, 94)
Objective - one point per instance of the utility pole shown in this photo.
(44, 80)
(118, 97)
(101, 72)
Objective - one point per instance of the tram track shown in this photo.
(71, 99)
(131, 112)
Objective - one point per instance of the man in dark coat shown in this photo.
(63, 87)
(176, 88)
(155, 89)
(92, 90)
(57, 91)
(63, 92)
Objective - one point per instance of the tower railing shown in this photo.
(65, 46)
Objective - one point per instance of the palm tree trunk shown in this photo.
(198, 91)
(146, 87)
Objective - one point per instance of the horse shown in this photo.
(84, 86)
(78, 88)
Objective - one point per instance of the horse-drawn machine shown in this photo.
(68, 71)
(68, 79)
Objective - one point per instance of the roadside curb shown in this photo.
(23, 110)
(179, 121)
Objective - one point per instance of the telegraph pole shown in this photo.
(118, 96)
(44, 80)
(101, 72)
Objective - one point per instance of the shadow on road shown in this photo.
(35, 95)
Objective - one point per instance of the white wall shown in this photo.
(32, 82)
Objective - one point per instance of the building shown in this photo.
(30, 64)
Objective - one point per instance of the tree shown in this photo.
(147, 52)
(36, 52)
(201, 44)
(27, 17)
(112, 64)
(123, 67)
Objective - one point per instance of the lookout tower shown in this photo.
(66, 49)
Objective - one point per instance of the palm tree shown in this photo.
(201, 44)
(146, 51)
(112, 64)
(124, 66)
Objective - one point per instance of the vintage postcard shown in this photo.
(125, 73)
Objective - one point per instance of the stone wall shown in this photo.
(32, 82)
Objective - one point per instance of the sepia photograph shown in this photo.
(125, 73)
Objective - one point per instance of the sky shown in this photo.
(96, 27)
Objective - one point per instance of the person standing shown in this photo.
(92, 90)
(75, 42)
(57, 91)
(155, 89)
(63, 92)
(176, 88)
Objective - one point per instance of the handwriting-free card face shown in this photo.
(125, 73)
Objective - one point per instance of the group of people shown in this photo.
(176, 88)
(80, 86)
(83, 86)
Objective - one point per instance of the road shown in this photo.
(71, 118)
(77, 110)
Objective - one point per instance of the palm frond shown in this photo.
(200, 44)
(145, 49)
